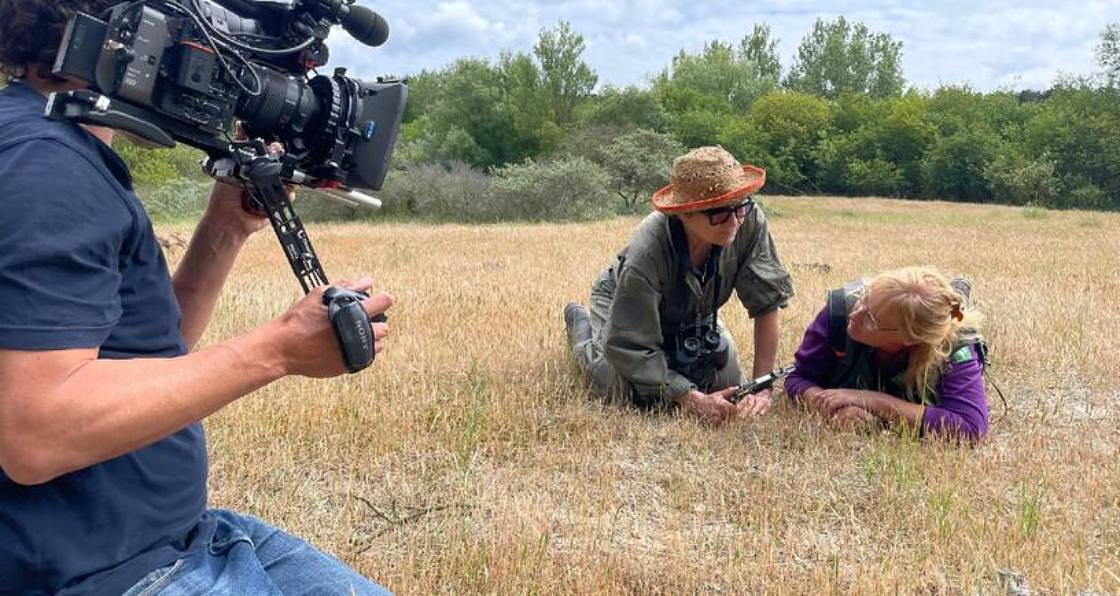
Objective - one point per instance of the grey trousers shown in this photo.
(605, 380)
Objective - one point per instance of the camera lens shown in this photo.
(691, 346)
(711, 340)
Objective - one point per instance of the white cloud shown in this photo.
(999, 43)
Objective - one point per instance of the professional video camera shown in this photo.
(184, 70)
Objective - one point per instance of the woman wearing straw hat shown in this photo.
(653, 333)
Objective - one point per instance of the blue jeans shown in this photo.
(250, 557)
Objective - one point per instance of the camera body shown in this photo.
(183, 70)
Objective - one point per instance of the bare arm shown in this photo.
(887, 407)
(213, 249)
(765, 343)
(65, 410)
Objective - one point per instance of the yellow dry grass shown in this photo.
(470, 458)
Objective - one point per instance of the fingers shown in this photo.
(755, 405)
(361, 285)
(377, 304)
(726, 410)
(726, 394)
(829, 402)
(851, 418)
(380, 333)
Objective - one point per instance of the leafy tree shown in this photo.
(954, 108)
(156, 167)
(1077, 128)
(638, 163)
(523, 84)
(726, 78)
(837, 57)
(955, 166)
(565, 77)
(628, 108)
(423, 92)
(875, 146)
(788, 125)
(471, 120)
(762, 51)
(697, 128)
(1108, 53)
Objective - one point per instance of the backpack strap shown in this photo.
(838, 320)
(838, 309)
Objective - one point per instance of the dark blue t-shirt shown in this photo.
(80, 268)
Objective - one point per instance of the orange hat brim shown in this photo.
(663, 200)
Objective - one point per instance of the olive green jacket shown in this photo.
(656, 291)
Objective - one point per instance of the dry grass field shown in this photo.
(470, 458)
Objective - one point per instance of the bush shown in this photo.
(563, 189)
(1086, 196)
(1019, 181)
(639, 163)
(156, 167)
(954, 166)
(789, 126)
(439, 192)
(874, 177)
(182, 199)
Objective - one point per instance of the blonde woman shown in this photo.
(902, 348)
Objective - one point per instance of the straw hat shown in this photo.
(707, 178)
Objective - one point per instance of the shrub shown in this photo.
(563, 189)
(177, 200)
(440, 192)
(155, 167)
(1017, 180)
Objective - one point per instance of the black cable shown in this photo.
(265, 51)
(200, 22)
(999, 392)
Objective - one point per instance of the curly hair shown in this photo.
(31, 30)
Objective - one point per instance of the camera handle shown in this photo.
(263, 175)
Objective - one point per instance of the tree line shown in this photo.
(532, 136)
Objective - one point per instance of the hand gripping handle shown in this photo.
(352, 326)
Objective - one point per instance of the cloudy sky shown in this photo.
(986, 44)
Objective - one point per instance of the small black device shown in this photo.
(351, 326)
(766, 381)
(700, 346)
(168, 71)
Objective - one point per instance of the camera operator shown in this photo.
(650, 331)
(104, 463)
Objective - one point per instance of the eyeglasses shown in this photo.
(872, 322)
(720, 215)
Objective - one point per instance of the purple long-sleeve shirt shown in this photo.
(962, 407)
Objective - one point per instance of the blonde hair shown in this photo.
(931, 313)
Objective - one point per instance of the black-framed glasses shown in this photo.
(720, 215)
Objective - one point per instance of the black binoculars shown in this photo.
(699, 346)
